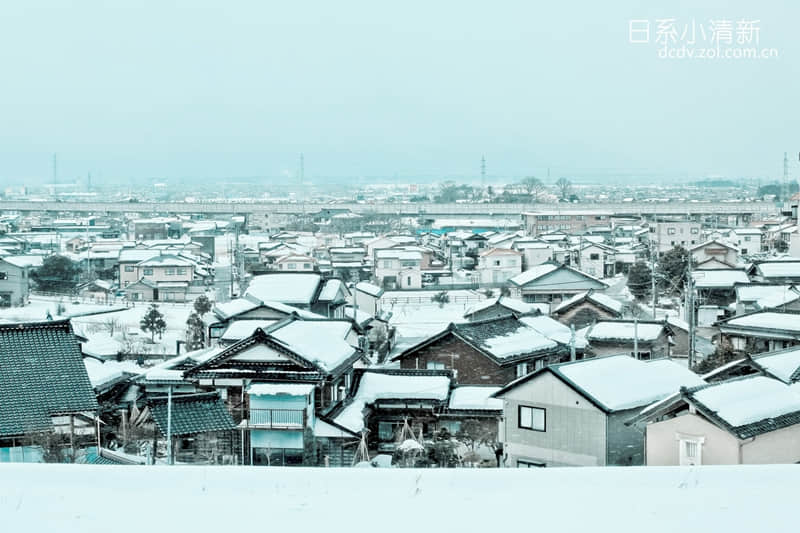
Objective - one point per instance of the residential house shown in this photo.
(715, 292)
(666, 234)
(490, 352)
(640, 339)
(714, 254)
(748, 240)
(15, 274)
(761, 331)
(45, 386)
(367, 298)
(586, 308)
(295, 263)
(398, 268)
(552, 283)
(498, 265)
(776, 271)
(534, 252)
(760, 296)
(307, 291)
(748, 420)
(280, 383)
(501, 306)
(574, 414)
(594, 258)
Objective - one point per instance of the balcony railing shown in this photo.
(275, 419)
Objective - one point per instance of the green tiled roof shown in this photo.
(41, 375)
(191, 414)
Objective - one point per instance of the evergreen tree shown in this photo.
(639, 280)
(673, 266)
(202, 305)
(153, 322)
(195, 332)
(57, 274)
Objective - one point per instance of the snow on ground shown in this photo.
(175, 315)
(94, 498)
(36, 310)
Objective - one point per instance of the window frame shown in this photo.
(532, 408)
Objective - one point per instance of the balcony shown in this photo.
(274, 419)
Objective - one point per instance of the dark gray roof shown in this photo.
(41, 375)
(192, 413)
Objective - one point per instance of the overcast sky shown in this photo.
(407, 89)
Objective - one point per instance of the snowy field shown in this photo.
(80, 498)
(37, 309)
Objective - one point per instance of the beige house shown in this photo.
(714, 253)
(749, 420)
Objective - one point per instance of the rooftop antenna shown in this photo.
(483, 171)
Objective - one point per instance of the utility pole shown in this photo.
(483, 172)
(572, 342)
(169, 425)
(690, 311)
(636, 337)
(653, 282)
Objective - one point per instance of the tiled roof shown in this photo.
(41, 375)
(191, 414)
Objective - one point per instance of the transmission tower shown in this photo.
(483, 171)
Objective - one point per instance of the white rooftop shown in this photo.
(748, 400)
(285, 288)
(621, 382)
(475, 398)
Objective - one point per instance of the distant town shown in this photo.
(527, 324)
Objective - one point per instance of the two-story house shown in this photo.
(15, 273)
(498, 265)
(575, 414)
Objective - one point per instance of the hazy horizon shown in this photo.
(210, 90)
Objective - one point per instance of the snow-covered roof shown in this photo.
(554, 330)
(756, 291)
(331, 290)
(320, 341)
(101, 373)
(718, 279)
(234, 307)
(24, 261)
(623, 330)
(512, 304)
(768, 320)
(387, 386)
(621, 382)
(782, 364)
(369, 288)
(779, 269)
(273, 389)
(747, 400)
(601, 299)
(285, 288)
(534, 273)
(475, 398)
(241, 329)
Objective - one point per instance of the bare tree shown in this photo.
(564, 187)
(533, 186)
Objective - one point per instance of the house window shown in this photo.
(181, 271)
(670, 231)
(644, 356)
(292, 266)
(690, 450)
(306, 266)
(170, 272)
(387, 264)
(128, 268)
(3, 275)
(695, 231)
(148, 271)
(408, 281)
(594, 257)
(532, 418)
(434, 365)
(744, 251)
(529, 464)
(522, 369)
(497, 262)
(387, 431)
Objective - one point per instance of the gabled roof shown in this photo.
(191, 414)
(625, 331)
(319, 346)
(714, 242)
(617, 382)
(718, 278)
(786, 323)
(504, 340)
(513, 305)
(744, 406)
(540, 273)
(601, 300)
(41, 375)
(777, 269)
(286, 288)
